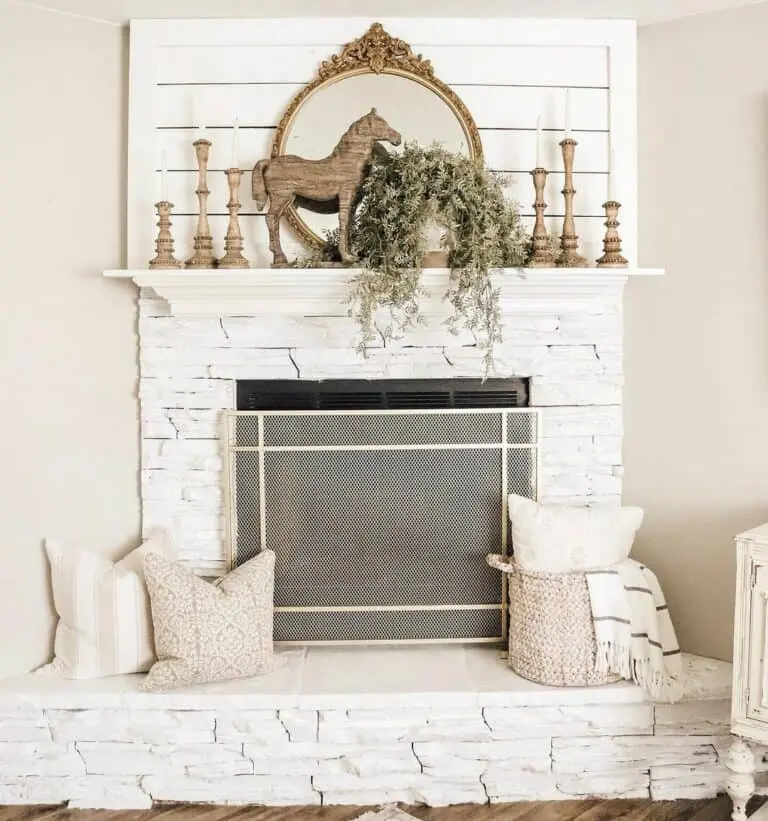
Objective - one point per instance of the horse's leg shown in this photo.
(276, 208)
(345, 216)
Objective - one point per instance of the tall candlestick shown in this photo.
(542, 256)
(203, 245)
(235, 127)
(233, 242)
(538, 142)
(567, 113)
(569, 239)
(612, 257)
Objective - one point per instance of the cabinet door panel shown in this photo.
(757, 705)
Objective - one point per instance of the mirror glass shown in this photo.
(417, 112)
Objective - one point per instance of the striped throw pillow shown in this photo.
(105, 622)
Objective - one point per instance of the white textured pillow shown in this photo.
(105, 623)
(563, 539)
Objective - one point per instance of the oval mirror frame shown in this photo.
(376, 52)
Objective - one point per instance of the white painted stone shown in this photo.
(187, 393)
(517, 785)
(252, 726)
(581, 421)
(577, 389)
(578, 720)
(703, 717)
(363, 798)
(685, 781)
(142, 726)
(605, 784)
(367, 762)
(454, 758)
(292, 332)
(380, 727)
(27, 724)
(301, 725)
(108, 794)
(196, 361)
(441, 792)
(395, 363)
(35, 790)
(44, 758)
(240, 789)
(582, 755)
(296, 758)
(348, 782)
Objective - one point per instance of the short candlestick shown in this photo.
(233, 242)
(164, 257)
(203, 256)
(612, 257)
(542, 251)
(569, 239)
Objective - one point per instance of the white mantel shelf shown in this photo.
(323, 291)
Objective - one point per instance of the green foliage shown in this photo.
(481, 231)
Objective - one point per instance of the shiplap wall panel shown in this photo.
(517, 65)
(508, 72)
(492, 106)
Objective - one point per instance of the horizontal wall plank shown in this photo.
(495, 65)
(503, 149)
(256, 240)
(591, 193)
(491, 106)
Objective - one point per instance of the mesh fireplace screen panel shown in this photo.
(380, 521)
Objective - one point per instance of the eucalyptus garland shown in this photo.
(481, 231)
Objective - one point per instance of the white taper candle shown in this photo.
(235, 127)
(611, 164)
(163, 172)
(538, 142)
(567, 112)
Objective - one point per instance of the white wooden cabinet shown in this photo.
(749, 700)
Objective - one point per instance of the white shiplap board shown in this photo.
(508, 72)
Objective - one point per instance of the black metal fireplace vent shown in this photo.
(385, 394)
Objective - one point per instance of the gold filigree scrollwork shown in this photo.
(376, 50)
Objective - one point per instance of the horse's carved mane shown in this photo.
(348, 137)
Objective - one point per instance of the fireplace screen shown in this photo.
(380, 521)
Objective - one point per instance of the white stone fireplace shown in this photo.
(562, 330)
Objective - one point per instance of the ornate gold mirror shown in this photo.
(375, 71)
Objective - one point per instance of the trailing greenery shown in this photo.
(399, 198)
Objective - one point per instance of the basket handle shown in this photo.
(500, 562)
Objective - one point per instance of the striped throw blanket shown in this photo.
(633, 629)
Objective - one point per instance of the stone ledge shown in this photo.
(356, 677)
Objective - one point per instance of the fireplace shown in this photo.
(380, 500)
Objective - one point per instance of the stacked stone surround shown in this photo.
(189, 365)
(104, 744)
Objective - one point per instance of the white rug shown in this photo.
(388, 813)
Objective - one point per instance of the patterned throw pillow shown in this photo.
(566, 539)
(210, 632)
(105, 624)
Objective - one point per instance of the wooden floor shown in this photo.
(717, 809)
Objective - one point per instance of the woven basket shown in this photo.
(551, 637)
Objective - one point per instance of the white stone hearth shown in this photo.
(434, 725)
(200, 331)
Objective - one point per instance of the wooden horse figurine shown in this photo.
(339, 175)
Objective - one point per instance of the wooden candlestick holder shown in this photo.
(569, 239)
(164, 257)
(203, 256)
(612, 257)
(233, 242)
(542, 257)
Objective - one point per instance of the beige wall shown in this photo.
(696, 450)
(697, 340)
(69, 448)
